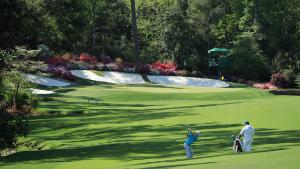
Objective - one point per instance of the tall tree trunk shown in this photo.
(103, 49)
(1, 89)
(93, 14)
(135, 33)
(94, 39)
(74, 48)
(208, 26)
(15, 95)
(208, 32)
(255, 11)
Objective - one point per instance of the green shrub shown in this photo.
(290, 77)
(297, 80)
(246, 60)
(44, 52)
(11, 126)
(197, 74)
(286, 60)
(23, 53)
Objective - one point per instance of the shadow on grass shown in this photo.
(180, 165)
(137, 142)
(153, 85)
(84, 104)
(64, 90)
(292, 92)
(121, 143)
(237, 85)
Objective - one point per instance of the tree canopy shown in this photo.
(263, 33)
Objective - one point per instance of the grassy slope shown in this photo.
(144, 127)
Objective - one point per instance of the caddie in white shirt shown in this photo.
(247, 132)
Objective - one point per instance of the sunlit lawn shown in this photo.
(112, 126)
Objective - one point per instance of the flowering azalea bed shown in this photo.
(163, 68)
(60, 66)
(264, 86)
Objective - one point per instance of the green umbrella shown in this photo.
(218, 50)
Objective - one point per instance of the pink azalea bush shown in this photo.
(279, 80)
(264, 86)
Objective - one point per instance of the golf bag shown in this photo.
(237, 144)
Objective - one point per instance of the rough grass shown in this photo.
(144, 127)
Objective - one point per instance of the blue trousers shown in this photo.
(188, 151)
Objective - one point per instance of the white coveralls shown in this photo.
(248, 133)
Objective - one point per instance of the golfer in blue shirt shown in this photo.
(191, 137)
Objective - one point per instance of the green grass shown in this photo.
(144, 126)
(99, 73)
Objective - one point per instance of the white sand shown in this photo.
(45, 81)
(38, 91)
(110, 77)
(125, 78)
(187, 81)
(131, 78)
(86, 74)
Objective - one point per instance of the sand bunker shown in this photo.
(45, 81)
(110, 77)
(125, 78)
(187, 81)
(38, 91)
(86, 74)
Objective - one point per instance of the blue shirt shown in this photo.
(191, 138)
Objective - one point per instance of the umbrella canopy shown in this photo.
(218, 50)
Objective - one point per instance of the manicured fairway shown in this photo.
(113, 126)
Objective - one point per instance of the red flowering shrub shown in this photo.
(62, 59)
(85, 57)
(163, 68)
